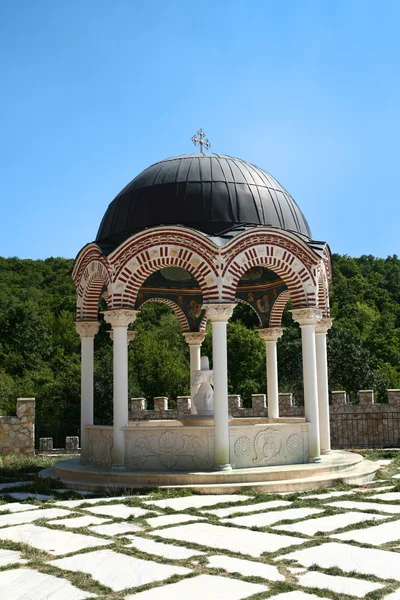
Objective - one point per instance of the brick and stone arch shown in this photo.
(286, 255)
(92, 277)
(323, 289)
(241, 301)
(177, 310)
(155, 249)
(278, 307)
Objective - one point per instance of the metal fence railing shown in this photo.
(367, 430)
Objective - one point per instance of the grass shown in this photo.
(20, 468)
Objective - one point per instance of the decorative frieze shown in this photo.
(87, 328)
(307, 316)
(270, 334)
(219, 312)
(121, 317)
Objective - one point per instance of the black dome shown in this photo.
(208, 192)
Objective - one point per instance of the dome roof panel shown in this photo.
(212, 193)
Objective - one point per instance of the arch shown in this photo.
(323, 289)
(145, 253)
(275, 319)
(288, 257)
(93, 281)
(177, 310)
(203, 324)
(239, 300)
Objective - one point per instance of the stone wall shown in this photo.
(363, 425)
(17, 434)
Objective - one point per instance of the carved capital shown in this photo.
(307, 316)
(219, 312)
(130, 335)
(270, 334)
(87, 328)
(324, 325)
(194, 338)
(120, 317)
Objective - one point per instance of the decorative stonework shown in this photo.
(268, 446)
(169, 448)
(270, 334)
(324, 325)
(87, 328)
(130, 335)
(219, 312)
(121, 317)
(294, 445)
(194, 339)
(243, 446)
(17, 433)
(307, 316)
(99, 446)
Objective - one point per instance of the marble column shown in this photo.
(308, 318)
(87, 330)
(219, 315)
(321, 330)
(195, 340)
(120, 319)
(271, 335)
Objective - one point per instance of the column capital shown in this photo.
(219, 312)
(270, 334)
(130, 335)
(120, 317)
(324, 325)
(307, 316)
(194, 338)
(87, 329)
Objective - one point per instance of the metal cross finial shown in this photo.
(201, 140)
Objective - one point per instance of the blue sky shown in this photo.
(94, 91)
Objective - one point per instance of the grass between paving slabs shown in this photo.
(19, 467)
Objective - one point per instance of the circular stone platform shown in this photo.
(336, 466)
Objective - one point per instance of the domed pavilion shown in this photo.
(202, 233)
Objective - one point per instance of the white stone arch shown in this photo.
(153, 250)
(288, 257)
(175, 307)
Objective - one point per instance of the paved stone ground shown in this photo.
(338, 543)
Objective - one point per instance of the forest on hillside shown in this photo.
(40, 350)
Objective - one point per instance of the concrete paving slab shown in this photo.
(74, 522)
(361, 505)
(388, 497)
(13, 484)
(17, 507)
(295, 596)
(266, 519)
(28, 496)
(119, 571)
(159, 549)
(327, 495)
(197, 501)
(253, 543)
(340, 585)
(226, 512)
(211, 587)
(326, 524)
(172, 520)
(366, 561)
(76, 503)
(10, 557)
(17, 518)
(393, 596)
(247, 568)
(49, 540)
(112, 529)
(118, 511)
(377, 535)
(27, 584)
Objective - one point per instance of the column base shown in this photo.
(326, 451)
(315, 459)
(226, 467)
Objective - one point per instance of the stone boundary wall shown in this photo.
(362, 425)
(17, 434)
